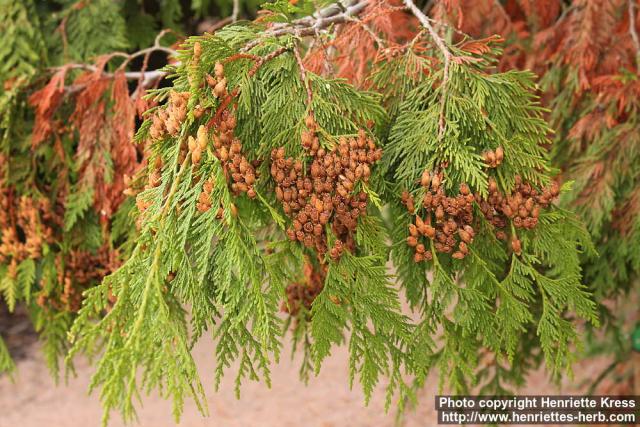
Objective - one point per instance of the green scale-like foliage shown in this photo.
(86, 24)
(21, 54)
(22, 43)
(231, 270)
(222, 267)
(493, 297)
(597, 146)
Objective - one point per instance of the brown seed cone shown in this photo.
(202, 137)
(490, 158)
(308, 241)
(425, 179)
(219, 70)
(516, 245)
(523, 212)
(529, 204)
(470, 230)
(191, 143)
(223, 154)
(220, 89)
(435, 182)
(493, 185)
(429, 231)
(310, 122)
(196, 155)
(211, 81)
(236, 147)
(410, 206)
(279, 194)
(535, 212)
(204, 197)
(466, 237)
(427, 199)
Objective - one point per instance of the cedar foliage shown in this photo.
(67, 119)
(279, 164)
(587, 55)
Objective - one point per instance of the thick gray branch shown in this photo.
(336, 13)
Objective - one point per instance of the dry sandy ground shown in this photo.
(34, 400)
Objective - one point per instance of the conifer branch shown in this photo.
(336, 10)
(424, 20)
(448, 178)
(145, 78)
(446, 54)
(303, 74)
(369, 30)
(337, 13)
(128, 57)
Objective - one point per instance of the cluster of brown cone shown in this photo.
(321, 194)
(169, 120)
(449, 220)
(521, 207)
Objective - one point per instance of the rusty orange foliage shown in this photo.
(358, 44)
(102, 122)
(45, 103)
